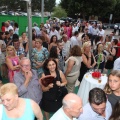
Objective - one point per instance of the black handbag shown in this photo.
(62, 91)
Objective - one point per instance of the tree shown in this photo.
(59, 12)
(21, 4)
(64, 4)
(116, 11)
(89, 7)
(49, 5)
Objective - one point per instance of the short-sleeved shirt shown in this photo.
(60, 115)
(89, 114)
(20, 51)
(112, 98)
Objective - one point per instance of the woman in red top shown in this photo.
(3, 27)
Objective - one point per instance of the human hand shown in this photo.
(58, 83)
(50, 85)
(28, 75)
(17, 67)
(39, 64)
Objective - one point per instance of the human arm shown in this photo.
(11, 66)
(26, 49)
(37, 110)
(94, 63)
(50, 46)
(112, 52)
(86, 61)
(69, 67)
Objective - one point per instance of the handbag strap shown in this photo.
(58, 75)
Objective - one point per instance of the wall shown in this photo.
(21, 20)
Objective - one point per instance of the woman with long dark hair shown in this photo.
(50, 101)
(116, 112)
(53, 41)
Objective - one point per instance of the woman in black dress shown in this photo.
(100, 57)
(112, 55)
(88, 60)
(50, 101)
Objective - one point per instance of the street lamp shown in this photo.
(29, 25)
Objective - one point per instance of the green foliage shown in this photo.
(49, 5)
(59, 12)
(116, 11)
(21, 4)
(91, 7)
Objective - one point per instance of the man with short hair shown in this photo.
(54, 32)
(71, 109)
(98, 107)
(37, 29)
(19, 50)
(47, 26)
(27, 81)
(74, 40)
(116, 65)
(66, 46)
(11, 34)
(60, 56)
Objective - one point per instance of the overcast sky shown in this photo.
(57, 1)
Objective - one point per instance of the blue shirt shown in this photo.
(32, 91)
(89, 114)
(27, 115)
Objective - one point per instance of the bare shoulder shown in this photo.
(33, 103)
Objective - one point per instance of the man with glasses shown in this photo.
(98, 107)
(27, 81)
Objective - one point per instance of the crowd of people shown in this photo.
(61, 52)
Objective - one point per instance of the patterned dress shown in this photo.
(39, 56)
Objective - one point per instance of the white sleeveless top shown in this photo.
(76, 68)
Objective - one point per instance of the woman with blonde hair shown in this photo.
(12, 61)
(88, 59)
(112, 88)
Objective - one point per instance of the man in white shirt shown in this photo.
(74, 28)
(98, 107)
(66, 46)
(37, 29)
(8, 26)
(54, 32)
(47, 26)
(101, 32)
(74, 40)
(116, 64)
(71, 109)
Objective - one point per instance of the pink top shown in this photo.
(15, 61)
